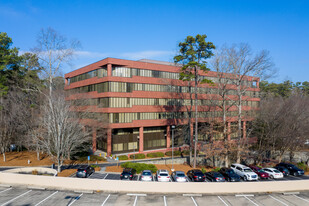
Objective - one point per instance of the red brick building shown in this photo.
(132, 104)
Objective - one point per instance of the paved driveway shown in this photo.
(32, 197)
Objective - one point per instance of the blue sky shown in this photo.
(152, 29)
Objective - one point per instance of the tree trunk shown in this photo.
(4, 158)
(226, 161)
(38, 155)
(59, 166)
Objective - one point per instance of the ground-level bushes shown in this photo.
(176, 153)
(123, 157)
(137, 156)
(155, 154)
(139, 167)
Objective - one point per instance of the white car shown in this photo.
(273, 173)
(244, 172)
(146, 175)
(163, 176)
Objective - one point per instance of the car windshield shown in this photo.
(180, 175)
(261, 170)
(230, 172)
(81, 169)
(294, 167)
(146, 173)
(276, 171)
(247, 170)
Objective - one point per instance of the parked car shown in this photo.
(196, 175)
(284, 170)
(127, 174)
(146, 175)
(215, 176)
(84, 171)
(229, 174)
(260, 172)
(292, 169)
(244, 172)
(274, 173)
(163, 176)
(179, 176)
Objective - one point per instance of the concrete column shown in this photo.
(109, 70)
(141, 139)
(109, 142)
(168, 136)
(229, 130)
(94, 139)
(244, 133)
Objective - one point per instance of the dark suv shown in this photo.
(196, 175)
(292, 169)
(84, 171)
(127, 174)
(229, 174)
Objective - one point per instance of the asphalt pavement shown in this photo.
(32, 197)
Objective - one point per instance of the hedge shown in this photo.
(176, 153)
(139, 167)
(187, 152)
(137, 156)
(155, 154)
(123, 157)
(92, 158)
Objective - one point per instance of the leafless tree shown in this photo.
(282, 125)
(53, 51)
(60, 130)
(242, 63)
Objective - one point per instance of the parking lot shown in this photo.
(22, 196)
(114, 176)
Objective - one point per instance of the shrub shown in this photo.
(123, 157)
(203, 170)
(138, 156)
(155, 154)
(216, 169)
(176, 153)
(92, 158)
(139, 167)
(302, 166)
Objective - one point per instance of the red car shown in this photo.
(261, 173)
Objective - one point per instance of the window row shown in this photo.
(101, 72)
(130, 87)
(125, 102)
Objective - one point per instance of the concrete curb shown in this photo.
(137, 187)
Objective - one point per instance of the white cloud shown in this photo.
(89, 54)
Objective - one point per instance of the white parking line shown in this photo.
(223, 201)
(75, 199)
(46, 198)
(194, 201)
(278, 200)
(105, 176)
(106, 200)
(251, 201)
(301, 198)
(6, 190)
(16, 198)
(135, 201)
(164, 199)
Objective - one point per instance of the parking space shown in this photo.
(18, 196)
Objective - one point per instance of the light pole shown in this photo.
(173, 127)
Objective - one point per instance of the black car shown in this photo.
(84, 171)
(229, 174)
(215, 176)
(127, 174)
(284, 170)
(196, 175)
(292, 169)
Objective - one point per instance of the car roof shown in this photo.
(162, 171)
(179, 172)
(147, 171)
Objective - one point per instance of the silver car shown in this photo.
(179, 176)
(146, 175)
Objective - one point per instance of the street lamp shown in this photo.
(173, 127)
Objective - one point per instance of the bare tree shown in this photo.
(60, 130)
(53, 51)
(282, 125)
(243, 63)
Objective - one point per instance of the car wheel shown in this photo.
(271, 176)
(245, 178)
(295, 174)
